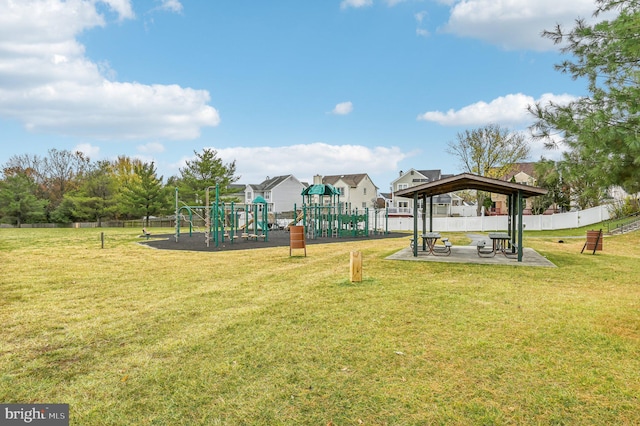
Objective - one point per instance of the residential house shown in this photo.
(281, 192)
(442, 204)
(384, 200)
(357, 191)
(523, 173)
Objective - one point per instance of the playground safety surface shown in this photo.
(279, 238)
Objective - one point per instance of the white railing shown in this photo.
(400, 210)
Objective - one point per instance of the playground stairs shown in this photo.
(627, 227)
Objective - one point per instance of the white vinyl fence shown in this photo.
(495, 223)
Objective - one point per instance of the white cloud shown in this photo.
(305, 160)
(121, 7)
(420, 17)
(88, 150)
(514, 24)
(343, 108)
(170, 6)
(355, 3)
(48, 84)
(509, 109)
(151, 148)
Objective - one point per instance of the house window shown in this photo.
(340, 190)
(402, 186)
(267, 195)
(364, 190)
(364, 204)
(403, 204)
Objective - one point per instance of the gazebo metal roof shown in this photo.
(470, 181)
(515, 192)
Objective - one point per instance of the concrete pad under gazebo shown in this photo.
(468, 254)
(515, 192)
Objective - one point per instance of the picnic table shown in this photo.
(501, 242)
(429, 241)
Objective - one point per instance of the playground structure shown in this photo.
(322, 215)
(225, 221)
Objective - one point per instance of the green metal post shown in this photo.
(415, 224)
(233, 223)
(375, 221)
(519, 225)
(265, 220)
(430, 213)
(177, 217)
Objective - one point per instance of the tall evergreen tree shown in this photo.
(145, 195)
(205, 171)
(600, 129)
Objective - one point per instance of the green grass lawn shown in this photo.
(129, 335)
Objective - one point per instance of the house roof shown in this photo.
(431, 174)
(423, 175)
(269, 183)
(351, 180)
(470, 181)
(527, 168)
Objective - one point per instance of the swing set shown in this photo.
(225, 221)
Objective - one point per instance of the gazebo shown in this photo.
(515, 193)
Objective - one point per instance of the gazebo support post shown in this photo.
(513, 214)
(430, 214)
(519, 201)
(415, 224)
(424, 221)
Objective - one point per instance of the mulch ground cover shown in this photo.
(280, 238)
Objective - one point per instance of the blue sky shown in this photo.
(282, 86)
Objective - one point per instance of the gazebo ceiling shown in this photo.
(469, 181)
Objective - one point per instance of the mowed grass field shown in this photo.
(128, 335)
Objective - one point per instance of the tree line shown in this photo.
(66, 187)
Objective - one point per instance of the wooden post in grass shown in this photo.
(356, 266)
(102, 239)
